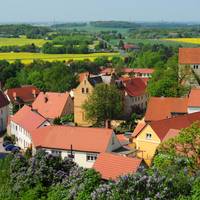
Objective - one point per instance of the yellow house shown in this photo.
(148, 136)
(81, 94)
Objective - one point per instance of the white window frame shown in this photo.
(90, 157)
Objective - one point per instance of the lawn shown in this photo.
(29, 57)
(21, 41)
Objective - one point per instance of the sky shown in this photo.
(91, 10)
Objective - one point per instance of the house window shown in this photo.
(71, 155)
(83, 90)
(87, 90)
(148, 136)
(91, 157)
(85, 82)
(16, 128)
(56, 152)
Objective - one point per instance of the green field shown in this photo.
(29, 57)
(156, 41)
(21, 41)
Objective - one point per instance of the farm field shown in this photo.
(184, 40)
(27, 58)
(166, 42)
(21, 41)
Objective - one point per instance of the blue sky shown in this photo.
(88, 10)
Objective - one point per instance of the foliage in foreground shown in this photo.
(48, 177)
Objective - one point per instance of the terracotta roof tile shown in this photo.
(28, 119)
(3, 100)
(135, 87)
(50, 104)
(171, 133)
(24, 93)
(189, 56)
(194, 98)
(138, 128)
(111, 166)
(81, 139)
(161, 107)
(162, 127)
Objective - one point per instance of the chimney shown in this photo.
(45, 99)
(34, 93)
(108, 123)
(15, 95)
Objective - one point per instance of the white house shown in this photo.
(4, 107)
(23, 123)
(81, 144)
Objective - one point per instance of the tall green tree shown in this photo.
(105, 103)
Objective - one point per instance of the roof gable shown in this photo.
(194, 98)
(28, 119)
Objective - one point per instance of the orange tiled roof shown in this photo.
(82, 76)
(111, 166)
(161, 107)
(144, 70)
(24, 93)
(50, 104)
(81, 139)
(138, 128)
(28, 119)
(189, 56)
(194, 98)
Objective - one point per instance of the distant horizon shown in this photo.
(63, 22)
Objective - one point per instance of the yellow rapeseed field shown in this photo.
(29, 57)
(184, 40)
(21, 41)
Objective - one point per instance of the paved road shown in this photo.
(3, 153)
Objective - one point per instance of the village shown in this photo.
(33, 119)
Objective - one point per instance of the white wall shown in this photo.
(79, 157)
(193, 109)
(23, 136)
(3, 118)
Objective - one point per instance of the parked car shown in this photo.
(15, 149)
(9, 147)
(5, 143)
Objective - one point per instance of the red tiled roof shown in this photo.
(24, 93)
(144, 70)
(130, 46)
(3, 100)
(81, 139)
(111, 166)
(162, 127)
(135, 86)
(194, 98)
(122, 138)
(50, 104)
(28, 119)
(189, 56)
(161, 107)
(171, 133)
